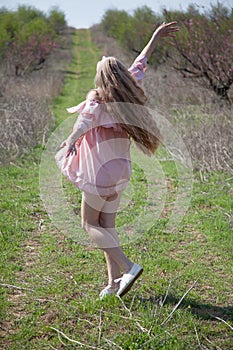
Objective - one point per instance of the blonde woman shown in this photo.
(96, 156)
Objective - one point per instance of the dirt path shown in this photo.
(53, 282)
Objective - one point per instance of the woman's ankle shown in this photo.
(112, 282)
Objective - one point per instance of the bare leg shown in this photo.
(113, 269)
(99, 221)
(115, 258)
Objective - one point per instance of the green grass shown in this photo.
(60, 280)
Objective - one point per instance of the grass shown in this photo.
(50, 284)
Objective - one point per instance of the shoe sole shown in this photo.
(130, 284)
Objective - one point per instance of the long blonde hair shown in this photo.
(115, 84)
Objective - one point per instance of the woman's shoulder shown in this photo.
(92, 107)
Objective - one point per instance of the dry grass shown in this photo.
(204, 122)
(25, 116)
(210, 142)
(25, 122)
(202, 119)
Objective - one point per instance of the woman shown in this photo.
(96, 155)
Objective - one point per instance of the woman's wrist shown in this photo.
(157, 33)
(75, 136)
(70, 142)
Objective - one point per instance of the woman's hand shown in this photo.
(71, 150)
(167, 29)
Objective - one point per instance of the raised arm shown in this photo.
(165, 29)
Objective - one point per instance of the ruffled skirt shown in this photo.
(102, 164)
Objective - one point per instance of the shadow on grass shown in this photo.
(204, 311)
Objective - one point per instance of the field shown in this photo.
(50, 283)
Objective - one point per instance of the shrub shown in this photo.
(117, 24)
(56, 20)
(31, 46)
(133, 31)
(205, 45)
(27, 37)
(8, 29)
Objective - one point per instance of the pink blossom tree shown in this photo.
(205, 47)
(27, 37)
(30, 54)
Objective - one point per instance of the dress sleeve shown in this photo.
(77, 109)
(89, 112)
(138, 68)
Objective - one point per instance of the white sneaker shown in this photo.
(109, 290)
(128, 279)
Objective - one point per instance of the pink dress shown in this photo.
(102, 165)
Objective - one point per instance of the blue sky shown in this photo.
(85, 13)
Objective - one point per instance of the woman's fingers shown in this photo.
(72, 150)
(168, 29)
